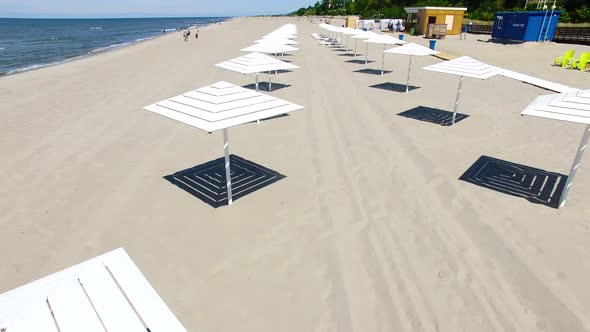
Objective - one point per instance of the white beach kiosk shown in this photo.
(255, 63)
(106, 293)
(464, 67)
(571, 107)
(218, 107)
(411, 49)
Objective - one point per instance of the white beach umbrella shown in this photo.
(269, 48)
(220, 106)
(363, 35)
(106, 293)
(273, 40)
(280, 35)
(571, 107)
(385, 40)
(255, 63)
(411, 49)
(349, 32)
(464, 66)
(335, 30)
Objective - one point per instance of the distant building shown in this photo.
(420, 17)
(526, 26)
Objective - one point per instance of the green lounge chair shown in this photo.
(565, 59)
(581, 62)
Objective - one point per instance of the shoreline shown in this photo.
(102, 50)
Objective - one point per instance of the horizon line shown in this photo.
(118, 17)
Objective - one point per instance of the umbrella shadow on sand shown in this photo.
(360, 62)
(263, 86)
(432, 115)
(372, 71)
(390, 86)
(535, 185)
(207, 181)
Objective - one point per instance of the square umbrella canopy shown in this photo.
(254, 63)
(411, 49)
(349, 32)
(381, 39)
(464, 66)
(220, 106)
(106, 293)
(269, 48)
(363, 35)
(571, 107)
(335, 30)
(275, 40)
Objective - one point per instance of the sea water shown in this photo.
(27, 44)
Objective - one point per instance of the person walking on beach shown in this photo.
(196, 33)
(185, 35)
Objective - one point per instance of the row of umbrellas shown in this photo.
(222, 105)
(571, 106)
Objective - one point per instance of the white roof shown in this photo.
(255, 63)
(466, 66)
(221, 105)
(411, 49)
(385, 39)
(269, 48)
(105, 293)
(571, 106)
(276, 40)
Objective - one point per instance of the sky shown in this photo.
(146, 8)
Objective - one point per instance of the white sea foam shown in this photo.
(96, 28)
(142, 39)
(102, 49)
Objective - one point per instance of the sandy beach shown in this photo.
(370, 230)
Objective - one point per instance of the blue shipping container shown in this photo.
(526, 26)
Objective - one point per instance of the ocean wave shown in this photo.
(32, 67)
(2, 48)
(95, 28)
(102, 49)
(142, 39)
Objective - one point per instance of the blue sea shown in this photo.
(27, 44)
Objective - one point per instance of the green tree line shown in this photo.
(575, 11)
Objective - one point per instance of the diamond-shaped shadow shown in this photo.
(263, 86)
(533, 184)
(396, 87)
(207, 181)
(359, 61)
(371, 71)
(433, 115)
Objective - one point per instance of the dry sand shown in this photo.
(371, 230)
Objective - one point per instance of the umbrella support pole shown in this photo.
(575, 166)
(256, 77)
(355, 41)
(270, 81)
(366, 53)
(382, 60)
(227, 167)
(459, 89)
(409, 71)
(347, 43)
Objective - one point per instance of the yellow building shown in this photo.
(420, 17)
